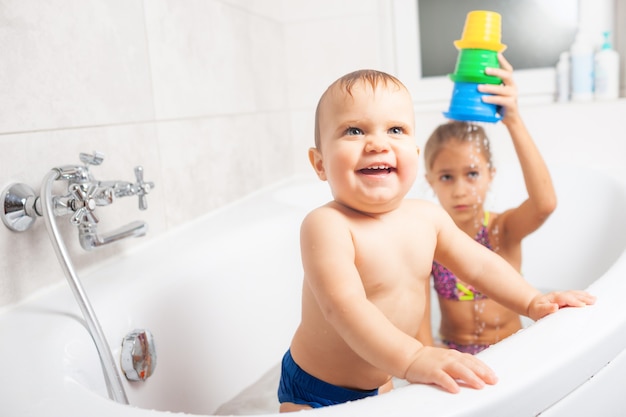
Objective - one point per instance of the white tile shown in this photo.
(72, 63)
(303, 137)
(272, 9)
(210, 162)
(320, 52)
(210, 58)
(301, 10)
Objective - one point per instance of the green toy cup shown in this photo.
(471, 65)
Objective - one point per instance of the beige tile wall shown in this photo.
(214, 98)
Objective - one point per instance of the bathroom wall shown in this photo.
(214, 98)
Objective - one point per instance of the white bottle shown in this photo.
(606, 72)
(581, 53)
(562, 77)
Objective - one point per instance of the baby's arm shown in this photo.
(532, 213)
(328, 258)
(425, 333)
(495, 277)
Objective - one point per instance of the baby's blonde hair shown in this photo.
(459, 132)
(368, 76)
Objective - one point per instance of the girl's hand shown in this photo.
(505, 94)
(545, 304)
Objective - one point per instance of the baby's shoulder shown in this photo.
(423, 206)
(326, 215)
(425, 213)
(330, 209)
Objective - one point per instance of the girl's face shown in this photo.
(460, 177)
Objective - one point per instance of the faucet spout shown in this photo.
(90, 239)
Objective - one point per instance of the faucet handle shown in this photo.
(91, 159)
(83, 204)
(142, 188)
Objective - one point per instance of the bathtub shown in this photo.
(221, 296)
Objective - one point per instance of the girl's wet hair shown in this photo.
(370, 77)
(459, 132)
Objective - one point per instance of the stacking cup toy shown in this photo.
(478, 50)
(471, 65)
(467, 105)
(482, 30)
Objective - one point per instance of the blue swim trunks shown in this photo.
(298, 387)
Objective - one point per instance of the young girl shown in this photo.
(459, 170)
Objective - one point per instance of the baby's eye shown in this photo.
(473, 175)
(445, 178)
(353, 131)
(396, 130)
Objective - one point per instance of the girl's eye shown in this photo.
(396, 130)
(473, 175)
(445, 178)
(353, 131)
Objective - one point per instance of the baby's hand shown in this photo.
(545, 304)
(446, 367)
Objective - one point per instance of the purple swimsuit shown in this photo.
(449, 287)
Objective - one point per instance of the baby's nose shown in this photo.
(376, 143)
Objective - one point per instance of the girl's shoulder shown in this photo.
(497, 224)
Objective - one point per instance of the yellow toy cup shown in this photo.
(482, 30)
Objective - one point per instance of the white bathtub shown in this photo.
(222, 296)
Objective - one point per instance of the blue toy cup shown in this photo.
(467, 105)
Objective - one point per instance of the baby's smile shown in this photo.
(377, 170)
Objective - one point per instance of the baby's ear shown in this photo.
(315, 157)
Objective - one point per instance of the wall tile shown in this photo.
(273, 9)
(211, 58)
(211, 162)
(303, 136)
(72, 63)
(321, 51)
(328, 9)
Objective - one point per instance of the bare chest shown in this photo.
(393, 257)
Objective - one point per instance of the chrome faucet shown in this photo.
(21, 207)
(84, 194)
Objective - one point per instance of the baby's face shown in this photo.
(367, 146)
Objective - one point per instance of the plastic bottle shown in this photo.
(606, 72)
(582, 58)
(562, 77)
